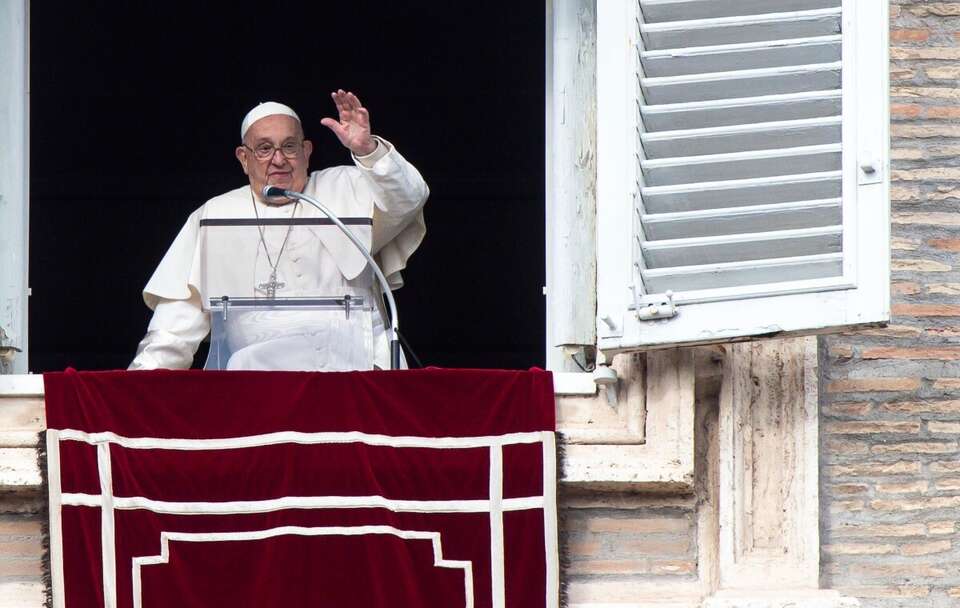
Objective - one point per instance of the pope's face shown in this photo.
(279, 131)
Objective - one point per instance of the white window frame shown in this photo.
(860, 297)
(14, 184)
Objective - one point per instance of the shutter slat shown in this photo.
(743, 110)
(739, 193)
(730, 143)
(693, 279)
(737, 220)
(741, 247)
(740, 165)
(741, 29)
(655, 11)
(752, 55)
(758, 136)
(726, 85)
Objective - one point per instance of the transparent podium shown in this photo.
(296, 334)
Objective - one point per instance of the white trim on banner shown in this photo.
(238, 507)
(434, 537)
(551, 546)
(498, 592)
(107, 530)
(495, 505)
(56, 525)
(252, 441)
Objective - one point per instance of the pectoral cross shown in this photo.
(270, 287)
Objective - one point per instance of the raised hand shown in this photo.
(353, 126)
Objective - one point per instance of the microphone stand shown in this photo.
(394, 330)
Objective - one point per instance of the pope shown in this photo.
(242, 245)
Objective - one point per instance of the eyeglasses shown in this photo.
(266, 150)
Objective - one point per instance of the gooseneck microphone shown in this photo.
(394, 335)
(273, 192)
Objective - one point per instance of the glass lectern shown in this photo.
(297, 334)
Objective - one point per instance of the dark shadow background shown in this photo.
(135, 113)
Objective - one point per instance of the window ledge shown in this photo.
(21, 385)
(640, 438)
(619, 444)
(574, 383)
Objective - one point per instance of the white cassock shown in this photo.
(209, 260)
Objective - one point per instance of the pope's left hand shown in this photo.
(353, 127)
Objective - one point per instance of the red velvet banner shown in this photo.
(365, 489)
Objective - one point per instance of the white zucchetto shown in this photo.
(267, 108)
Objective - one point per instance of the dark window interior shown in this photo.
(135, 112)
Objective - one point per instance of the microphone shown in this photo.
(394, 335)
(274, 191)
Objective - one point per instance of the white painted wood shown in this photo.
(734, 280)
(674, 10)
(727, 85)
(744, 56)
(742, 192)
(14, 182)
(759, 290)
(741, 247)
(552, 356)
(741, 110)
(571, 194)
(867, 110)
(617, 39)
(752, 136)
(707, 154)
(740, 165)
(739, 29)
(758, 314)
(852, 125)
(738, 220)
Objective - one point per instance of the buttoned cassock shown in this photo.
(204, 262)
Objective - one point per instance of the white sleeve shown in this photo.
(399, 194)
(175, 331)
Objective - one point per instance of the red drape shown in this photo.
(367, 489)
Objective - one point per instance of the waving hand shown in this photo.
(353, 126)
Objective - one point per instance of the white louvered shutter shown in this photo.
(742, 167)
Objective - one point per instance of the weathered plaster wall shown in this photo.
(22, 503)
(890, 401)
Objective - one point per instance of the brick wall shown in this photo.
(21, 549)
(890, 404)
(22, 504)
(624, 537)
